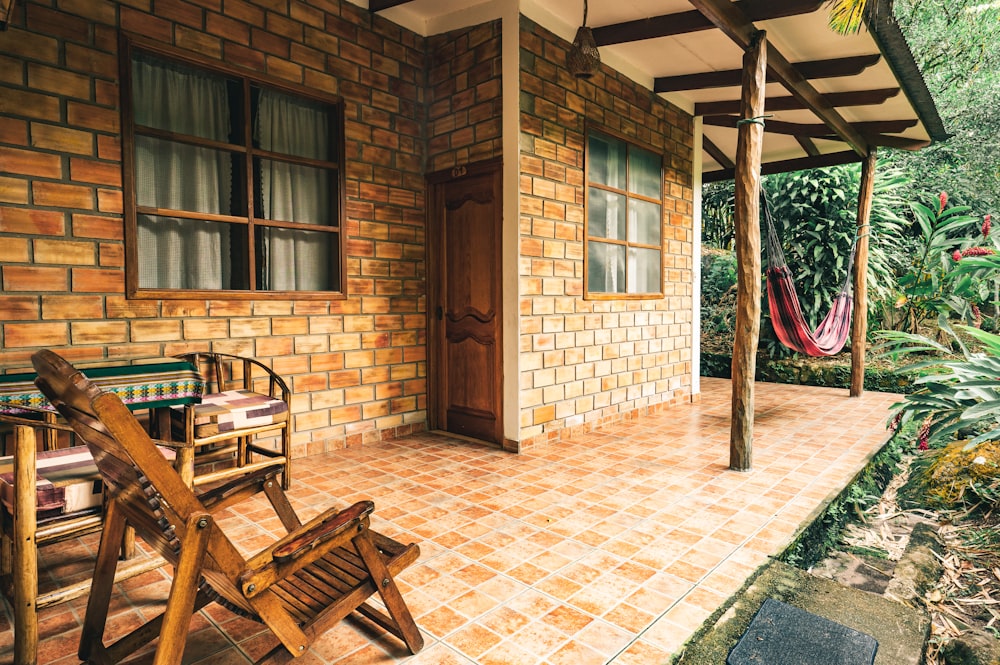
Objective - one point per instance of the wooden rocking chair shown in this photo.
(299, 587)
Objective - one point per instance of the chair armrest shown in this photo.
(301, 547)
(298, 544)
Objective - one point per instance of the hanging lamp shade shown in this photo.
(583, 58)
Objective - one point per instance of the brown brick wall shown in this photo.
(358, 366)
(464, 102)
(589, 362)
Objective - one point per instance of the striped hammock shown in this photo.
(789, 324)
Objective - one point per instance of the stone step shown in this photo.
(901, 631)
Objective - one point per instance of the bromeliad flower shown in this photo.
(975, 251)
(943, 198)
(923, 438)
(956, 255)
(986, 227)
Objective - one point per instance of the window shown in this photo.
(624, 218)
(231, 184)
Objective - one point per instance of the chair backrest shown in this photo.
(143, 484)
(223, 371)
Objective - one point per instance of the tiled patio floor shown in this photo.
(611, 547)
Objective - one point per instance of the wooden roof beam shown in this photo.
(735, 24)
(379, 5)
(727, 78)
(694, 21)
(797, 164)
(817, 130)
(808, 145)
(838, 99)
(715, 153)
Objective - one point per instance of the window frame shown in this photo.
(130, 45)
(630, 142)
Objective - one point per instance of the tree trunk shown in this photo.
(747, 181)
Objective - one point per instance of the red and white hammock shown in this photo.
(789, 324)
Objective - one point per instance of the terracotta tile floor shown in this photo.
(612, 547)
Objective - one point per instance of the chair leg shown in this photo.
(286, 450)
(387, 589)
(183, 591)
(92, 637)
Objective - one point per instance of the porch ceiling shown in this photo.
(836, 97)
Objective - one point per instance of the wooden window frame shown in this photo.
(130, 45)
(587, 238)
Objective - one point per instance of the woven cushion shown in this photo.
(67, 480)
(230, 411)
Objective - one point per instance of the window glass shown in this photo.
(606, 267)
(177, 98)
(606, 217)
(180, 176)
(645, 173)
(644, 270)
(607, 161)
(644, 222)
(279, 248)
(186, 254)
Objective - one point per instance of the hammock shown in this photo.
(786, 315)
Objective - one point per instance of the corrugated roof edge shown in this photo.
(885, 29)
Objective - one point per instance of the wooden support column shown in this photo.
(859, 322)
(748, 151)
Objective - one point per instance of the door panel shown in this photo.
(465, 273)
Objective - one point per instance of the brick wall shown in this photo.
(589, 362)
(357, 367)
(464, 105)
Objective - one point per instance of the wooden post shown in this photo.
(25, 549)
(748, 150)
(859, 324)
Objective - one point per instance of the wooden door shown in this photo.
(465, 380)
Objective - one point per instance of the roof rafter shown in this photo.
(735, 24)
(694, 21)
(817, 130)
(378, 5)
(812, 69)
(797, 164)
(838, 99)
(715, 153)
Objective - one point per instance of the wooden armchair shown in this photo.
(243, 398)
(298, 587)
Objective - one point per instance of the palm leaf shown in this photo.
(847, 16)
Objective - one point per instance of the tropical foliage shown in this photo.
(935, 281)
(954, 396)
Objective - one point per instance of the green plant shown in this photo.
(935, 283)
(956, 397)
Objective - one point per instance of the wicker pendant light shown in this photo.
(584, 58)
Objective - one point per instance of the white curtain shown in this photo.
(294, 260)
(181, 253)
(611, 221)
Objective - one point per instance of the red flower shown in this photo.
(923, 438)
(977, 316)
(956, 255)
(986, 227)
(943, 198)
(894, 425)
(976, 251)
